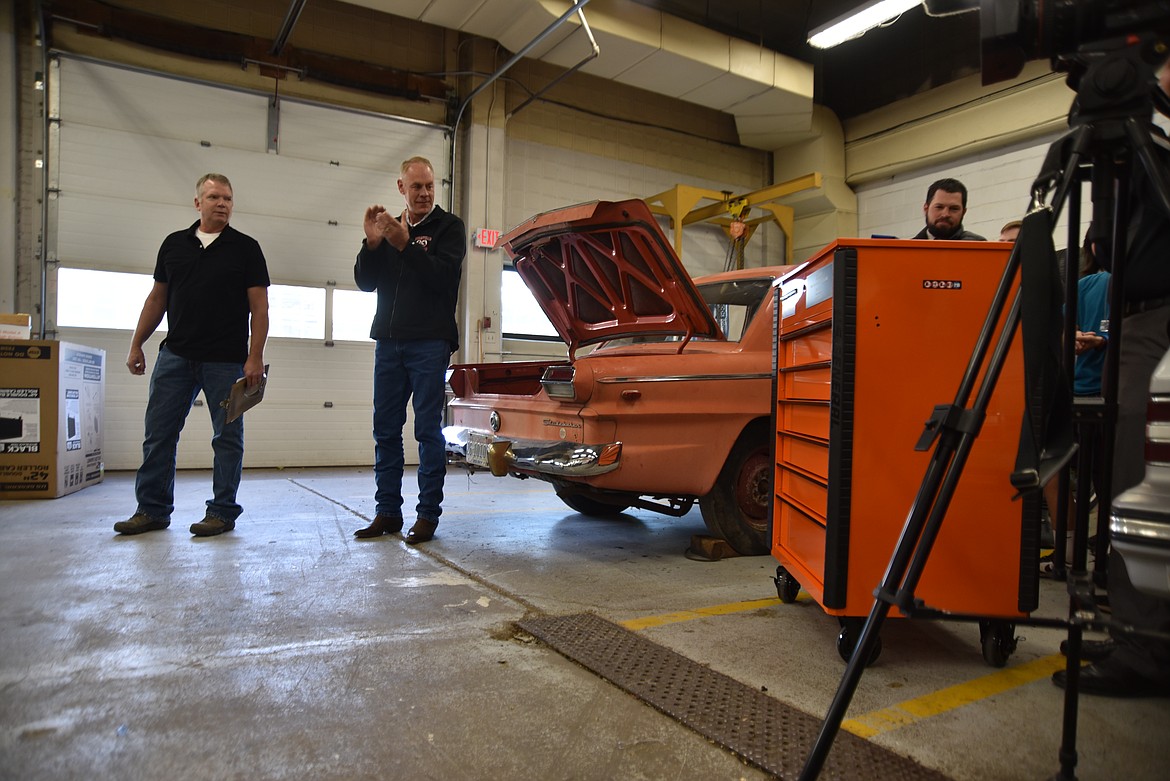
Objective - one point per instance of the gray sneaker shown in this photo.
(139, 523)
(211, 526)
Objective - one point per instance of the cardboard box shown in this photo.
(18, 326)
(52, 396)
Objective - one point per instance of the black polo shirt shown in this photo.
(207, 293)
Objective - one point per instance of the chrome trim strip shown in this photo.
(688, 378)
(1137, 529)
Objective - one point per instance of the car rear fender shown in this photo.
(680, 465)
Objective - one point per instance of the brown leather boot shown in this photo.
(383, 524)
(423, 530)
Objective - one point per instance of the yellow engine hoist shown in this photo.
(732, 212)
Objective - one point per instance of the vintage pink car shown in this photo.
(672, 404)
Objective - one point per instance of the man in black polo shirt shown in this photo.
(210, 281)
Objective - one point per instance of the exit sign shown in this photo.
(487, 238)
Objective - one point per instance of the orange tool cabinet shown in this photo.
(871, 335)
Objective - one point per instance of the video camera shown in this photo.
(1015, 31)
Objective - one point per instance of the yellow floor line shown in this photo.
(634, 624)
(928, 705)
(895, 716)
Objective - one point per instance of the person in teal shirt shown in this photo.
(1092, 324)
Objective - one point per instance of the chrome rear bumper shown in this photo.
(1140, 526)
(476, 449)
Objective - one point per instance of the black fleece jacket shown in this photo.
(418, 287)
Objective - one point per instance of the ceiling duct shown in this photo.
(769, 94)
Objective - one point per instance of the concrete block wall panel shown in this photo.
(998, 184)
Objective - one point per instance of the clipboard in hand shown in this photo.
(242, 398)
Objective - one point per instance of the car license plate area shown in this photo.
(477, 450)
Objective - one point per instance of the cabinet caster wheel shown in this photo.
(998, 639)
(786, 586)
(850, 634)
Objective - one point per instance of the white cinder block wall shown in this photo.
(998, 182)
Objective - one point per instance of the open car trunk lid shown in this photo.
(604, 270)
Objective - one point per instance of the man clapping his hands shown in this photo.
(413, 262)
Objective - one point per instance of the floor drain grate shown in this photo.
(760, 729)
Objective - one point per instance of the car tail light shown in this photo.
(1158, 430)
(457, 381)
(609, 454)
(557, 382)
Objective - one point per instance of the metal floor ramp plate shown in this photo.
(763, 731)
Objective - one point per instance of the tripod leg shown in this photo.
(1079, 587)
(1068, 738)
(871, 631)
(1103, 485)
(870, 635)
(1056, 496)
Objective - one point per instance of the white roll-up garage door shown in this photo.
(131, 147)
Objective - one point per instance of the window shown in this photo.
(296, 312)
(522, 316)
(353, 311)
(734, 304)
(89, 298)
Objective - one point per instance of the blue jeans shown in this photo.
(174, 384)
(402, 368)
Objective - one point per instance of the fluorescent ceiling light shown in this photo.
(864, 18)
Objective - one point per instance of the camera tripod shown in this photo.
(1110, 133)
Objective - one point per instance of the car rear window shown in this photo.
(734, 303)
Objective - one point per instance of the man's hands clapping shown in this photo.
(379, 224)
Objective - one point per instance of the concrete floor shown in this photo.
(288, 650)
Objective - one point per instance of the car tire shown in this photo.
(586, 505)
(737, 508)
